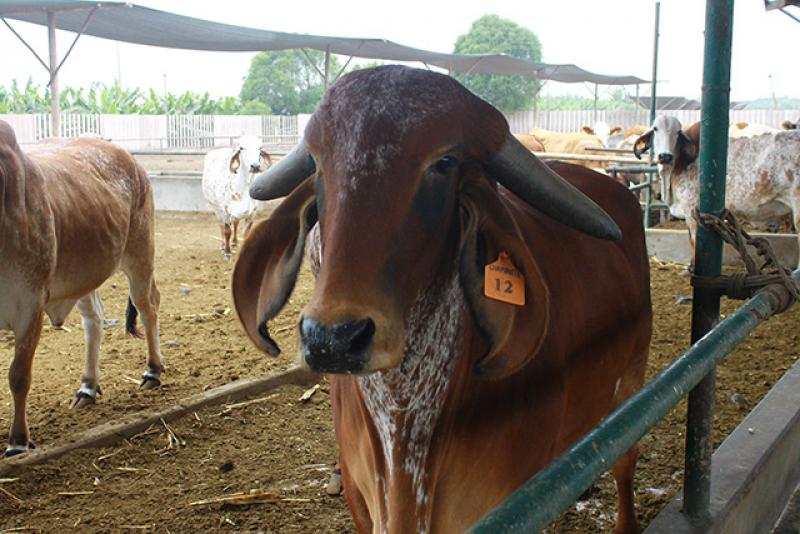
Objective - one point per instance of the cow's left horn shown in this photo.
(534, 182)
(281, 179)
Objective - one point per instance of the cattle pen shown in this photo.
(205, 453)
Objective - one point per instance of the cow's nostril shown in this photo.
(664, 157)
(339, 348)
(361, 335)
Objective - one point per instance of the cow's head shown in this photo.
(674, 148)
(400, 168)
(249, 155)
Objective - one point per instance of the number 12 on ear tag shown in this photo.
(502, 281)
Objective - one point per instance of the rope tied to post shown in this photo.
(770, 277)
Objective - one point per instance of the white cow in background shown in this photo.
(227, 173)
(762, 183)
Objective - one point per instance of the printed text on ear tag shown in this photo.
(502, 281)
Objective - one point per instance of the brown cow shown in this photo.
(446, 401)
(71, 214)
(531, 142)
(572, 143)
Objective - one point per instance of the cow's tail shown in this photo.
(130, 319)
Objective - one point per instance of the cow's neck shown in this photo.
(406, 402)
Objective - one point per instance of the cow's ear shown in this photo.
(268, 263)
(687, 147)
(514, 333)
(643, 143)
(235, 162)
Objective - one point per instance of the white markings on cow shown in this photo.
(406, 401)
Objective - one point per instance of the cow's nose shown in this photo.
(255, 167)
(338, 348)
(664, 158)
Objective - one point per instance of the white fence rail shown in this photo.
(170, 132)
(572, 121)
(163, 132)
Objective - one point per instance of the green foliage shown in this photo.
(114, 99)
(491, 34)
(254, 107)
(286, 81)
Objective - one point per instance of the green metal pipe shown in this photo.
(712, 163)
(654, 76)
(635, 169)
(648, 195)
(542, 498)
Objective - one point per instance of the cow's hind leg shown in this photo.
(27, 331)
(91, 310)
(146, 298)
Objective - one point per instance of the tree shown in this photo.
(286, 81)
(491, 34)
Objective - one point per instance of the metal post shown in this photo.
(653, 78)
(327, 75)
(708, 252)
(654, 75)
(55, 110)
(594, 112)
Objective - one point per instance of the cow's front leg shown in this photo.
(91, 309)
(27, 331)
(226, 230)
(235, 236)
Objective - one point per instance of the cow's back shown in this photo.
(98, 195)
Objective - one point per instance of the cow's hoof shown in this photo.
(334, 486)
(86, 396)
(14, 450)
(150, 381)
(226, 257)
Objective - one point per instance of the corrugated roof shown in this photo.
(123, 21)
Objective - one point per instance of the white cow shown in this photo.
(227, 173)
(763, 182)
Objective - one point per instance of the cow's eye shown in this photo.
(445, 165)
(655, 129)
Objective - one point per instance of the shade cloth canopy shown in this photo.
(123, 21)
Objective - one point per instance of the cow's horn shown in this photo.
(534, 182)
(281, 179)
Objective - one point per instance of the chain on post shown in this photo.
(742, 286)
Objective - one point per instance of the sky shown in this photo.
(607, 37)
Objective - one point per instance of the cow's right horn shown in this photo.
(281, 179)
(534, 182)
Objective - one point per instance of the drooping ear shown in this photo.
(234, 164)
(687, 147)
(266, 156)
(514, 333)
(615, 130)
(268, 263)
(588, 130)
(643, 143)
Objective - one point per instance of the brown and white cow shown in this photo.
(446, 401)
(763, 181)
(71, 214)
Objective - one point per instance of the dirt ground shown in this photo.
(278, 444)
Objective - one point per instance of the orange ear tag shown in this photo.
(502, 281)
